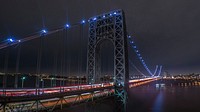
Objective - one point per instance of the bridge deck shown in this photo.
(57, 94)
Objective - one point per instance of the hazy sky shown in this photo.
(166, 31)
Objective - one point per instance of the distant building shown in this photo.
(166, 74)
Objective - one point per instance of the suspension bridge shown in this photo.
(55, 68)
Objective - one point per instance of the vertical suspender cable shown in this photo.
(155, 70)
(17, 65)
(39, 63)
(160, 70)
(61, 63)
(55, 62)
(5, 71)
(64, 56)
(81, 51)
(68, 57)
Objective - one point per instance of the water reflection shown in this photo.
(164, 97)
(158, 105)
(160, 86)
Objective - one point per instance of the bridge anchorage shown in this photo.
(110, 26)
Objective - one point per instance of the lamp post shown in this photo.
(52, 81)
(78, 82)
(42, 82)
(23, 78)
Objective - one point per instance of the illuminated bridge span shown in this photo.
(53, 98)
(28, 92)
(61, 52)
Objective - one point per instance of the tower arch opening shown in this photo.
(104, 61)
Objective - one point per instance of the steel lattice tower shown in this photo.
(110, 26)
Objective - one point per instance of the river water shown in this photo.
(158, 96)
(164, 97)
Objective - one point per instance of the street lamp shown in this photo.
(42, 82)
(52, 81)
(23, 78)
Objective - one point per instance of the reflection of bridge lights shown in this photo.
(104, 16)
(10, 40)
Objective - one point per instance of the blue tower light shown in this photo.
(44, 31)
(67, 25)
(115, 13)
(129, 36)
(10, 40)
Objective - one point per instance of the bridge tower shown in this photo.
(110, 26)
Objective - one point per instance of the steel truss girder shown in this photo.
(39, 105)
(110, 26)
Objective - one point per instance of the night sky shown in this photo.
(165, 31)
